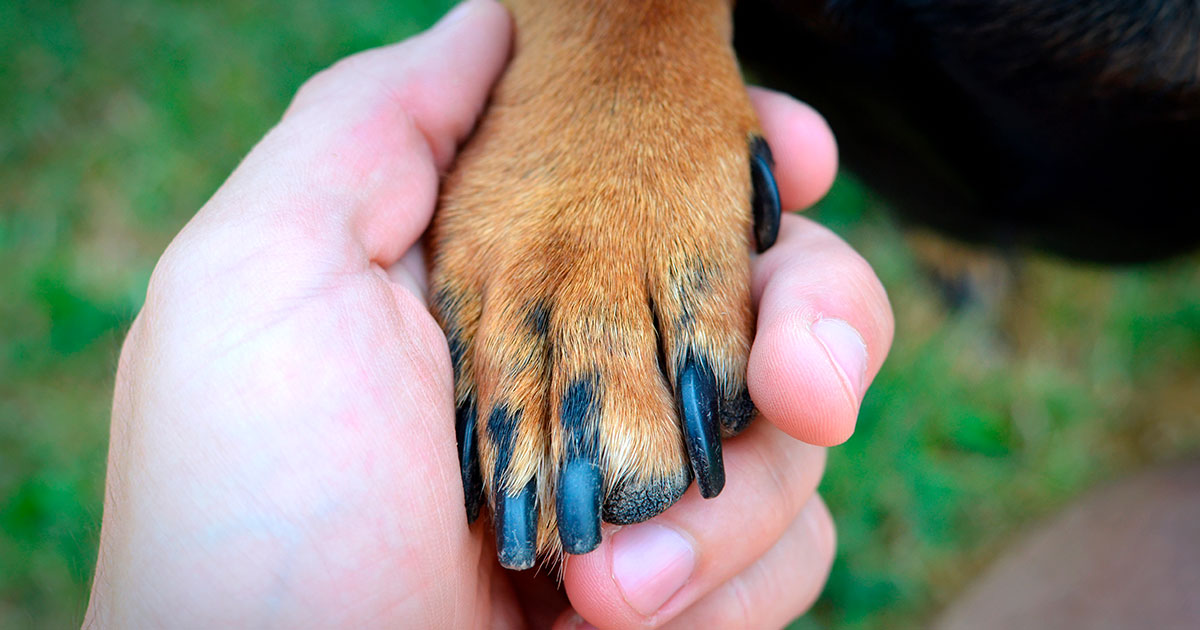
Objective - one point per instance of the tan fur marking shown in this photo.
(610, 176)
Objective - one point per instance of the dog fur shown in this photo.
(591, 254)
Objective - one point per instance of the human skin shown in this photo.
(282, 450)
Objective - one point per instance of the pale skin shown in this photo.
(283, 449)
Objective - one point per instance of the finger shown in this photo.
(780, 586)
(824, 328)
(802, 144)
(354, 163)
(644, 574)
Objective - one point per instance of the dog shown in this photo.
(591, 254)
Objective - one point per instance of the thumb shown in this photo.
(353, 166)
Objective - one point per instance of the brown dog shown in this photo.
(591, 255)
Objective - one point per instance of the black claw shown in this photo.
(579, 481)
(516, 526)
(698, 410)
(468, 458)
(578, 504)
(514, 515)
(766, 194)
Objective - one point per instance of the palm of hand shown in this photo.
(330, 468)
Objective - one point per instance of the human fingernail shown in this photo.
(847, 349)
(651, 563)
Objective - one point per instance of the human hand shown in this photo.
(283, 448)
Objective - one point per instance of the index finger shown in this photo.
(824, 329)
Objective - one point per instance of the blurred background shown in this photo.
(1016, 382)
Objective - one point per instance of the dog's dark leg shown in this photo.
(1070, 126)
(591, 269)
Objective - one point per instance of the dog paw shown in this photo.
(591, 270)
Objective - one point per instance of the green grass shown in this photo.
(986, 419)
(120, 118)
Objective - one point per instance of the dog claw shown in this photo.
(766, 194)
(468, 458)
(516, 526)
(578, 505)
(698, 410)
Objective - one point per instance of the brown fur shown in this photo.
(600, 216)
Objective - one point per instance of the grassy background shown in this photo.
(119, 118)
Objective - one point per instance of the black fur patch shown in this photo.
(690, 284)
(502, 428)
(579, 414)
(537, 319)
(457, 350)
